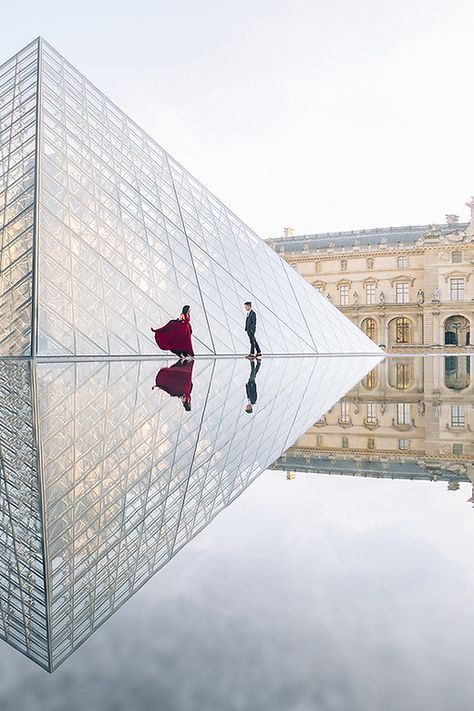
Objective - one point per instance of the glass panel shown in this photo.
(17, 191)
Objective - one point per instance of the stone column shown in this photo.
(383, 330)
(419, 329)
(436, 336)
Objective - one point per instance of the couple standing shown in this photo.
(175, 336)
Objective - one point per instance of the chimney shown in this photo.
(288, 232)
(452, 219)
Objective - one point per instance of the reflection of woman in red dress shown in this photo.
(177, 381)
(175, 336)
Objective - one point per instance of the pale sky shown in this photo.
(325, 592)
(316, 114)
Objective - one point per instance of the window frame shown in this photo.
(402, 330)
(403, 413)
(344, 294)
(457, 286)
(402, 292)
(370, 291)
(371, 413)
(345, 412)
(458, 416)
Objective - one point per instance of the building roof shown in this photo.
(363, 238)
(424, 468)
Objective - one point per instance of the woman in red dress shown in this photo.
(177, 381)
(175, 336)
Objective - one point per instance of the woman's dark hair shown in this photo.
(185, 309)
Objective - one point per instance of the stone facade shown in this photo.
(408, 418)
(404, 286)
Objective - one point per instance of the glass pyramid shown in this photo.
(103, 235)
(104, 479)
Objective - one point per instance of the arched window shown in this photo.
(457, 372)
(369, 326)
(370, 263)
(370, 380)
(457, 331)
(402, 330)
(400, 373)
(403, 380)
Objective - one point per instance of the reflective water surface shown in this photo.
(109, 468)
(409, 417)
(309, 591)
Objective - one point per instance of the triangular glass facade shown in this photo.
(103, 235)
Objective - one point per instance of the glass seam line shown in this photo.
(190, 251)
(193, 457)
(35, 251)
(42, 504)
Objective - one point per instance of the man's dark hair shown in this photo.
(248, 303)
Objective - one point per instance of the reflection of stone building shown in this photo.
(408, 418)
(402, 286)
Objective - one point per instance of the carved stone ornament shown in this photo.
(457, 236)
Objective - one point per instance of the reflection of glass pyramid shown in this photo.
(103, 481)
(103, 234)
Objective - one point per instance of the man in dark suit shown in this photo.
(250, 327)
(251, 387)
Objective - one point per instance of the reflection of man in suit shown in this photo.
(251, 386)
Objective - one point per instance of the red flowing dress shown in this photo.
(175, 336)
(177, 380)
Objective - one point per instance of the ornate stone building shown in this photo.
(402, 286)
(408, 418)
